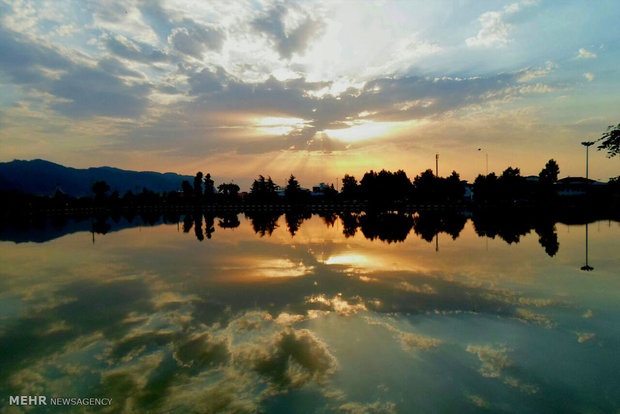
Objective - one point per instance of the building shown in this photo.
(577, 186)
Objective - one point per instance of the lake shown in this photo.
(310, 314)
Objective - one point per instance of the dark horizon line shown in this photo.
(249, 178)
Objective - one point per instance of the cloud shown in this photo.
(376, 407)
(527, 315)
(127, 49)
(80, 90)
(338, 304)
(495, 361)
(409, 341)
(584, 336)
(111, 11)
(425, 288)
(202, 351)
(589, 76)
(294, 358)
(194, 39)
(494, 30)
(379, 100)
(536, 72)
(157, 17)
(23, 60)
(90, 92)
(206, 81)
(231, 366)
(287, 41)
(140, 343)
(585, 54)
(478, 401)
(121, 17)
(228, 394)
(115, 67)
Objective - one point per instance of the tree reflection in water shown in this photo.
(294, 219)
(263, 222)
(386, 226)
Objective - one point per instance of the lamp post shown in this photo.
(587, 144)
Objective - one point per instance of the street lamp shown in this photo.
(587, 144)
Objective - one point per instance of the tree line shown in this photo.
(386, 188)
(379, 189)
(382, 188)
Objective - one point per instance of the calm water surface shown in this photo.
(315, 322)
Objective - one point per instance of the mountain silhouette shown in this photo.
(43, 177)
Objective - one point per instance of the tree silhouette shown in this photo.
(198, 185)
(263, 189)
(486, 188)
(386, 226)
(230, 191)
(453, 188)
(115, 198)
(385, 186)
(610, 141)
(210, 187)
(548, 237)
(229, 221)
(350, 223)
(100, 225)
(209, 224)
(188, 191)
(188, 222)
(349, 187)
(100, 188)
(293, 190)
(511, 184)
(549, 174)
(294, 220)
(508, 226)
(425, 186)
(510, 174)
(198, 227)
(428, 223)
(263, 222)
(329, 218)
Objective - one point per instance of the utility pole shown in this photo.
(436, 165)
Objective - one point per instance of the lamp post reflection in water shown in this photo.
(587, 267)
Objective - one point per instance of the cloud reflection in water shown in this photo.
(238, 323)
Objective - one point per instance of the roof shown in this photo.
(578, 181)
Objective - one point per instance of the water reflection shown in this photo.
(385, 226)
(587, 267)
(336, 312)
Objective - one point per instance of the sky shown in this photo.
(313, 88)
